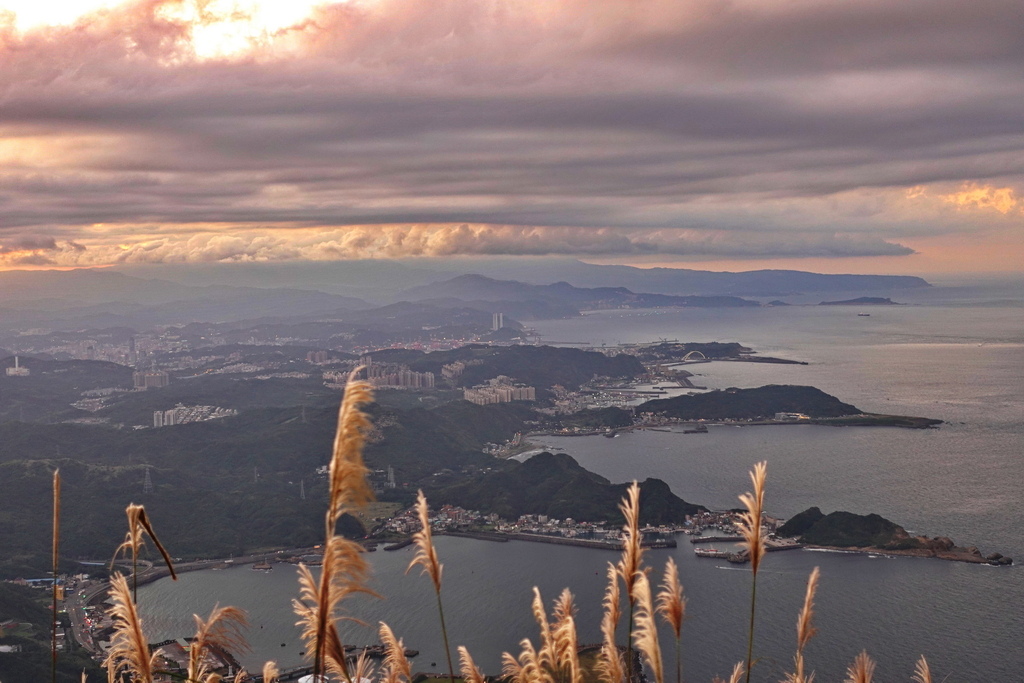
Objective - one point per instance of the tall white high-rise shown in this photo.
(497, 321)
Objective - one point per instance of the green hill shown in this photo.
(744, 404)
(554, 484)
(846, 530)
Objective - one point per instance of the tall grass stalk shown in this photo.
(566, 643)
(804, 631)
(630, 564)
(55, 552)
(609, 665)
(343, 570)
(646, 635)
(426, 557)
(672, 608)
(754, 542)
(129, 649)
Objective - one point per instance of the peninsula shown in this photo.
(875, 534)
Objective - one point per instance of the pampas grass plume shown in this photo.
(426, 555)
(396, 665)
(222, 630)
(609, 664)
(922, 672)
(129, 648)
(750, 520)
(470, 672)
(862, 669)
(347, 472)
(646, 635)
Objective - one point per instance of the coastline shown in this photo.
(969, 555)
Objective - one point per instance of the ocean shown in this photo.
(956, 354)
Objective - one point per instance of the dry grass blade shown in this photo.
(750, 520)
(343, 573)
(671, 603)
(609, 664)
(632, 553)
(671, 606)
(396, 665)
(546, 654)
(646, 635)
(612, 609)
(138, 526)
(221, 631)
(470, 672)
(511, 668)
(362, 669)
(270, 672)
(527, 668)
(804, 631)
(55, 548)
(347, 473)
(129, 649)
(922, 672)
(754, 542)
(426, 555)
(804, 628)
(737, 674)
(566, 644)
(862, 669)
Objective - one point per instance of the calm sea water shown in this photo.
(960, 359)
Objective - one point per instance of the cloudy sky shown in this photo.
(868, 136)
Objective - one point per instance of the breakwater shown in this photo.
(500, 537)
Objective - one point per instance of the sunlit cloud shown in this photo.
(206, 244)
(212, 28)
(233, 129)
(973, 196)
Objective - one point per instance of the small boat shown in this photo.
(863, 315)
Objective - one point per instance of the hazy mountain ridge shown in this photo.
(562, 294)
(681, 281)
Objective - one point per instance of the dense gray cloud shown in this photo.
(740, 128)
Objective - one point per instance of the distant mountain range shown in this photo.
(521, 289)
(381, 280)
(680, 281)
(556, 300)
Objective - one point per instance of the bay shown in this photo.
(960, 361)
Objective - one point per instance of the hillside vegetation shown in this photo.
(749, 404)
(554, 484)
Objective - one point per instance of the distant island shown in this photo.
(777, 404)
(863, 301)
(874, 534)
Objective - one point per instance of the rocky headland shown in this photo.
(874, 534)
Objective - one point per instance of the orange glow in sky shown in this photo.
(219, 27)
